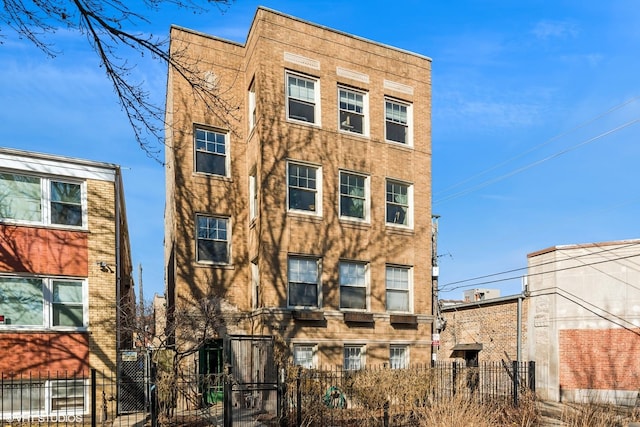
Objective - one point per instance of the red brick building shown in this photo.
(65, 274)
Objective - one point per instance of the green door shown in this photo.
(211, 370)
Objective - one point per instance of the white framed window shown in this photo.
(352, 110)
(353, 357)
(354, 196)
(398, 357)
(40, 200)
(43, 303)
(68, 396)
(399, 203)
(253, 195)
(304, 355)
(304, 183)
(211, 151)
(353, 285)
(398, 285)
(213, 239)
(252, 105)
(23, 400)
(398, 121)
(304, 281)
(303, 98)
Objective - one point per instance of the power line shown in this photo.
(536, 163)
(442, 288)
(613, 248)
(547, 142)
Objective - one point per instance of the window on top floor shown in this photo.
(39, 200)
(303, 98)
(252, 105)
(352, 107)
(211, 151)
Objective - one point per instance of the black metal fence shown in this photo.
(290, 396)
(383, 396)
(63, 398)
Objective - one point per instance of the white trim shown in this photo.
(57, 166)
(302, 60)
(410, 202)
(365, 110)
(398, 87)
(47, 305)
(367, 197)
(317, 116)
(318, 189)
(353, 75)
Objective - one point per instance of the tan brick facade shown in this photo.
(278, 48)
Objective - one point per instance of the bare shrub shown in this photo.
(594, 414)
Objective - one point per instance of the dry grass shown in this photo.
(595, 414)
(406, 397)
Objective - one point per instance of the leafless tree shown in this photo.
(105, 24)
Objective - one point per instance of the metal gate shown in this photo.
(132, 382)
(251, 393)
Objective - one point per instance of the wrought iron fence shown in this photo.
(384, 396)
(292, 396)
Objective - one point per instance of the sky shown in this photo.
(535, 120)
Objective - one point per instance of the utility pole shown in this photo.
(435, 311)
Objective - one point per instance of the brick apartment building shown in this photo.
(300, 205)
(64, 267)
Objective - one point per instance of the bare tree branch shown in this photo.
(105, 24)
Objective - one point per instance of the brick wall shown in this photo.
(492, 324)
(599, 359)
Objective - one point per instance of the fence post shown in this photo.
(515, 367)
(298, 400)
(454, 368)
(227, 417)
(94, 406)
(532, 376)
(386, 414)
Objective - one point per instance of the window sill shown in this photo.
(355, 135)
(399, 229)
(303, 216)
(214, 265)
(399, 145)
(303, 123)
(205, 175)
(41, 330)
(354, 222)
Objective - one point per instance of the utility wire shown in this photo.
(537, 147)
(536, 163)
(612, 248)
(541, 273)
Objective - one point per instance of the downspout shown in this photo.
(118, 186)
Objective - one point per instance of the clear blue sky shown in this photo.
(535, 120)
